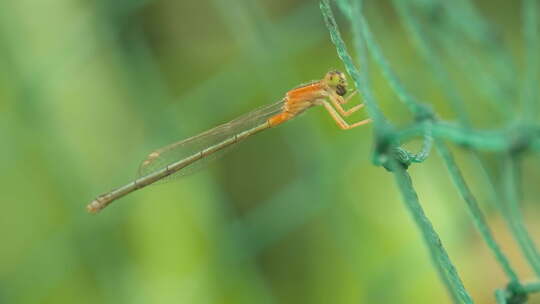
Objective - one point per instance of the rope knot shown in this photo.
(515, 294)
(424, 113)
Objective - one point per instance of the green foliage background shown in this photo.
(297, 214)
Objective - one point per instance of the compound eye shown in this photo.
(341, 90)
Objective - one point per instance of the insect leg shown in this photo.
(339, 120)
(338, 101)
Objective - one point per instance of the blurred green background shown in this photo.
(296, 214)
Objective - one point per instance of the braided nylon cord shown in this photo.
(510, 141)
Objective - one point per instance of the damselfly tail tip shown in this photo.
(94, 207)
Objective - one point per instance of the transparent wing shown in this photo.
(162, 157)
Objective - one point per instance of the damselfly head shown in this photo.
(337, 81)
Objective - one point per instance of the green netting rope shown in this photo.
(513, 140)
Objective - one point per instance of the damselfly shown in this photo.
(179, 157)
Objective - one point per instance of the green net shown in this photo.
(449, 28)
